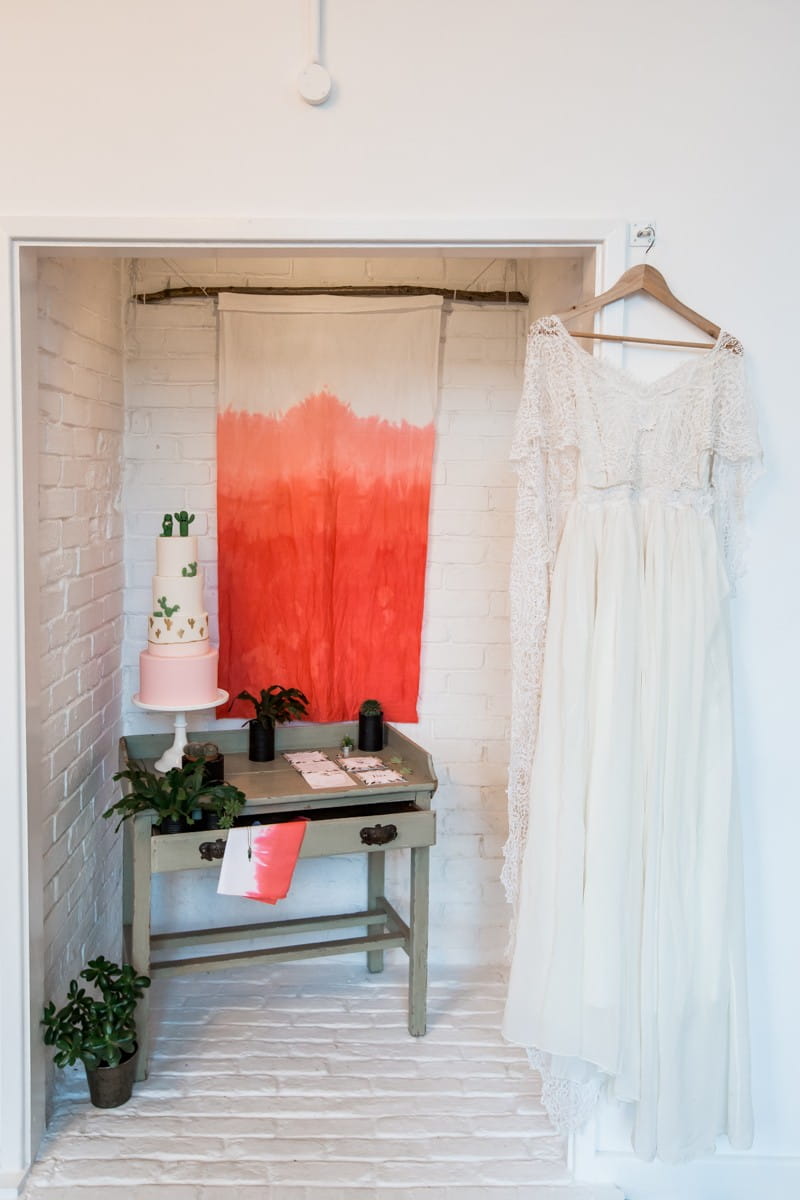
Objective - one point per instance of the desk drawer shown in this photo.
(362, 830)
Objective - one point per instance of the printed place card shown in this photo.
(379, 778)
(327, 779)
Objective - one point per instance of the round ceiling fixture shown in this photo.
(314, 84)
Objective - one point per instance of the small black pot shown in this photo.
(173, 825)
(109, 1087)
(262, 742)
(209, 820)
(213, 771)
(370, 731)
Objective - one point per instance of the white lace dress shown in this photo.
(623, 859)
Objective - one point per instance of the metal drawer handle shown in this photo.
(378, 835)
(211, 850)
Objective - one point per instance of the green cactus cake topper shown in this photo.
(166, 525)
(190, 571)
(167, 610)
(184, 520)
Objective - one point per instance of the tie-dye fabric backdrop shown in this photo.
(325, 449)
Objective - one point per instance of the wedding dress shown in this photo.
(623, 859)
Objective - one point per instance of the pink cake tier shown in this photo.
(172, 682)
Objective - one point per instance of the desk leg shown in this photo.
(376, 888)
(127, 889)
(418, 937)
(140, 931)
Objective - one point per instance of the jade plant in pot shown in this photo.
(275, 706)
(99, 1032)
(370, 726)
(174, 797)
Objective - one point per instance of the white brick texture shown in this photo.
(300, 1082)
(170, 460)
(80, 338)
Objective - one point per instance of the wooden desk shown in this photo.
(355, 820)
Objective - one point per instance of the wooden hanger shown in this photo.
(642, 278)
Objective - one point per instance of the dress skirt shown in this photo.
(628, 967)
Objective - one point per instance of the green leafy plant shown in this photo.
(175, 795)
(347, 743)
(226, 801)
(97, 1032)
(371, 708)
(277, 705)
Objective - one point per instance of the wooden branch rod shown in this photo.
(180, 293)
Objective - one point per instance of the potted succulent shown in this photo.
(275, 706)
(370, 726)
(222, 803)
(213, 761)
(346, 745)
(100, 1033)
(174, 797)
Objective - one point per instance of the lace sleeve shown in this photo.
(736, 461)
(529, 589)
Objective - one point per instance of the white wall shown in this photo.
(81, 601)
(460, 117)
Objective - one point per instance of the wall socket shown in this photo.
(642, 233)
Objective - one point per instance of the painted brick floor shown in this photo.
(299, 1081)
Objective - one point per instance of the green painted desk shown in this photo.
(354, 820)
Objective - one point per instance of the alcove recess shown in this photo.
(120, 403)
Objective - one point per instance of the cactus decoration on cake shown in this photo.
(166, 609)
(184, 520)
(190, 571)
(166, 525)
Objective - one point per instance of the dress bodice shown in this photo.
(596, 431)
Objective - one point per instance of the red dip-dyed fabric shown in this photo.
(323, 526)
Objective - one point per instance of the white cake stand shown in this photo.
(173, 755)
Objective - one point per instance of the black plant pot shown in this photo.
(111, 1086)
(209, 820)
(173, 825)
(213, 771)
(370, 731)
(262, 742)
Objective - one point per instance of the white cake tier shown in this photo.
(181, 629)
(172, 682)
(175, 553)
(187, 594)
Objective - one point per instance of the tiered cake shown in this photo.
(179, 667)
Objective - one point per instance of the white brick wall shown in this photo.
(170, 463)
(80, 339)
